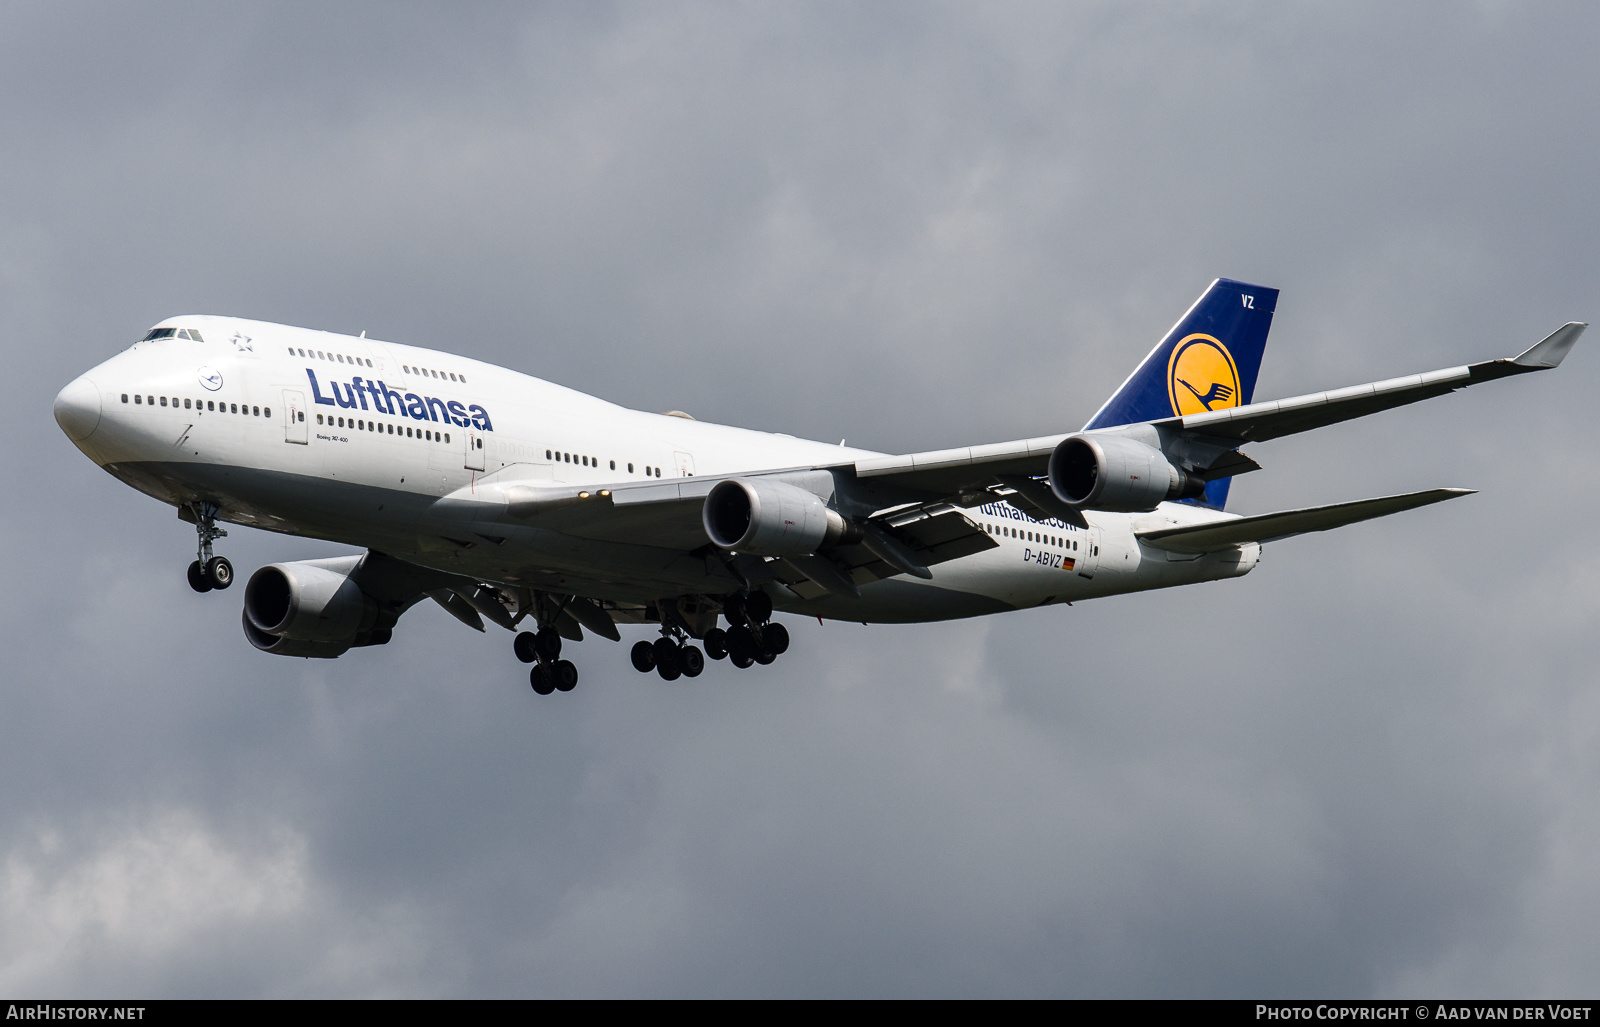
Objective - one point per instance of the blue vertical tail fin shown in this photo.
(1208, 361)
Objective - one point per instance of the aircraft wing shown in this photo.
(1203, 443)
(909, 505)
(902, 538)
(1224, 534)
(1261, 421)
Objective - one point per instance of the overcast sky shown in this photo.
(1368, 768)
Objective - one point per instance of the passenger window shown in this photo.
(301, 415)
(234, 408)
(211, 405)
(630, 468)
(319, 418)
(266, 411)
(447, 437)
(138, 400)
(124, 397)
(163, 401)
(408, 433)
(186, 404)
(613, 465)
(547, 454)
(463, 379)
(256, 411)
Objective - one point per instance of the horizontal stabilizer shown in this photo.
(1207, 538)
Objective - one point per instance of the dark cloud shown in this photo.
(1367, 768)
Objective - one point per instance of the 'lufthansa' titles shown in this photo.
(354, 393)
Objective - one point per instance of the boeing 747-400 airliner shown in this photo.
(512, 500)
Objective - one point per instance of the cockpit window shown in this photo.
(173, 333)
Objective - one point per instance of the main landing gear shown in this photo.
(208, 572)
(550, 673)
(671, 656)
(749, 639)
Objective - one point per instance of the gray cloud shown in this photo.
(1367, 768)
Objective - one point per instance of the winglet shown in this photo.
(1553, 349)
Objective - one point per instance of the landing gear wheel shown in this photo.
(668, 659)
(716, 641)
(643, 656)
(692, 661)
(539, 678)
(565, 674)
(742, 645)
(758, 606)
(765, 657)
(197, 578)
(523, 647)
(219, 572)
(741, 660)
(775, 639)
(547, 643)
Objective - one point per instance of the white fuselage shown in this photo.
(354, 440)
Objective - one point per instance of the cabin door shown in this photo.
(1088, 552)
(294, 416)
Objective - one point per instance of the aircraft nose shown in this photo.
(77, 409)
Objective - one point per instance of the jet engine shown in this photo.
(1107, 472)
(312, 608)
(770, 518)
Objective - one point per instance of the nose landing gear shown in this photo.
(208, 571)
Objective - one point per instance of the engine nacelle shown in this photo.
(312, 608)
(1107, 472)
(279, 646)
(769, 518)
